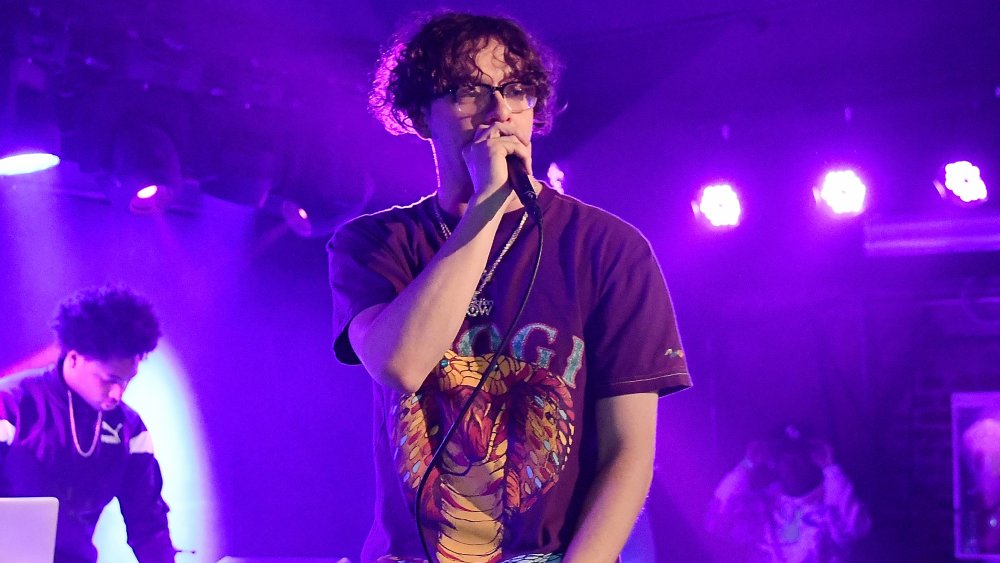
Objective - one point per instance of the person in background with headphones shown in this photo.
(787, 501)
(65, 432)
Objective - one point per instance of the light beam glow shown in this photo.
(963, 179)
(160, 394)
(147, 192)
(843, 192)
(719, 204)
(27, 163)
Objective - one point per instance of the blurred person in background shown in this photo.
(981, 443)
(787, 501)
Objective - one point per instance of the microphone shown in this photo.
(521, 184)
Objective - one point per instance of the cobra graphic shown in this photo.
(509, 451)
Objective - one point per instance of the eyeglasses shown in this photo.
(519, 96)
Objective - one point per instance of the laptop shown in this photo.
(28, 529)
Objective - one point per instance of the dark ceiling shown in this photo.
(270, 95)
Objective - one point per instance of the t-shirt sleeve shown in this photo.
(364, 271)
(633, 345)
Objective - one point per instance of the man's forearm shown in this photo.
(401, 343)
(612, 507)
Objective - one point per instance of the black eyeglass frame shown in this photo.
(533, 99)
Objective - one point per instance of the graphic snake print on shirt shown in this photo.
(509, 451)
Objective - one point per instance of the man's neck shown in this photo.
(455, 187)
(454, 199)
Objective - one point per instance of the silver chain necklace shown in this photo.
(481, 306)
(72, 427)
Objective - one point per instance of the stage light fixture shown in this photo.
(297, 219)
(310, 215)
(842, 192)
(962, 183)
(29, 133)
(147, 192)
(245, 170)
(719, 205)
(146, 169)
(27, 163)
(294, 215)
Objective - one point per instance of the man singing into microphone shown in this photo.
(553, 458)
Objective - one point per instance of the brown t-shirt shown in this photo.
(598, 323)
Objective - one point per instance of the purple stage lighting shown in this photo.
(27, 163)
(297, 218)
(963, 179)
(719, 204)
(170, 411)
(147, 192)
(843, 192)
(154, 198)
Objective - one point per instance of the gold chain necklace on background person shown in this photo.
(481, 306)
(72, 427)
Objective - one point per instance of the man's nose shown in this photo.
(499, 109)
(116, 392)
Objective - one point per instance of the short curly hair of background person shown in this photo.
(104, 323)
(438, 52)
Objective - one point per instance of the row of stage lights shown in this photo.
(841, 193)
(147, 199)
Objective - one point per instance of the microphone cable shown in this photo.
(490, 368)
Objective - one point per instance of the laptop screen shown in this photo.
(28, 529)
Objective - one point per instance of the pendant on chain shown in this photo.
(481, 306)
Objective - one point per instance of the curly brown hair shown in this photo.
(439, 51)
(106, 323)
